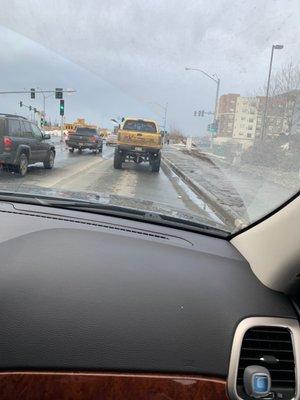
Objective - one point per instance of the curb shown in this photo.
(224, 213)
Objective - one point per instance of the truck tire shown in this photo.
(117, 159)
(22, 166)
(155, 163)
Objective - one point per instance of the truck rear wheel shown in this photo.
(117, 159)
(155, 163)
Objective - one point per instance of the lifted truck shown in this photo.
(139, 140)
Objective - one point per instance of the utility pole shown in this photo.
(165, 109)
(263, 130)
(165, 117)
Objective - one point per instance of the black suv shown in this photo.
(22, 143)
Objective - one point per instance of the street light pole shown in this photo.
(274, 47)
(214, 78)
(217, 98)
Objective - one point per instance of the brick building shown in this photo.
(226, 114)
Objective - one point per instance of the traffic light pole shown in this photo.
(61, 128)
(36, 91)
(62, 113)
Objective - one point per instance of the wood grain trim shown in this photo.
(108, 386)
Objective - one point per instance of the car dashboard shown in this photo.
(95, 306)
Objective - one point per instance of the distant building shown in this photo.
(79, 122)
(226, 114)
(295, 120)
(245, 119)
(240, 119)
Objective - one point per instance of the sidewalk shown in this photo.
(209, 182)
(244, 194)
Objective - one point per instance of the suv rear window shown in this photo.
(140, 125)
(14, 127)
(86, 131)
(27, 132)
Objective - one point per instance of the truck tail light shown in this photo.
(93, 139)
(7, 143)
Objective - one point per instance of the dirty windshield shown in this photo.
(187, 116)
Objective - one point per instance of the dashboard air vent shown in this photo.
(272, 348)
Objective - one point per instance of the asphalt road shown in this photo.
(95, 173)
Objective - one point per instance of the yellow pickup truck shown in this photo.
(139, 140)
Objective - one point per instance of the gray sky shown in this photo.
(124, 56)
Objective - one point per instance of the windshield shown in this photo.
(218, 82)
(141, 126)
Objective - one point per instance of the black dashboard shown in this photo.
(89, 292)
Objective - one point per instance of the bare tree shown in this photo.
(284, 90)
(287, 79)
(176, 135)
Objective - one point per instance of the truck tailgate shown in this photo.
(141, 139)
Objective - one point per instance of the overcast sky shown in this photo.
(122, 57)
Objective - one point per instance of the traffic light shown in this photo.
(32, 93)
(34, 110)
(58, 93)
(195, 113)
(42, 121)
(30, 108)
(202, 113)
(21, 103)
(62, 107)
(199, 113)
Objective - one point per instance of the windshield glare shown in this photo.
(217, 85)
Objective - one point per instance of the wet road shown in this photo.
(95, 173)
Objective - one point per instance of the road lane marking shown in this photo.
(126, 185)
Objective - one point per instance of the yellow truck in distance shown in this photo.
(139, 140)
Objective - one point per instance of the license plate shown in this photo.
(138, 148)
(80, 144)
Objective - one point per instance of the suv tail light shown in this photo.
(7, 143)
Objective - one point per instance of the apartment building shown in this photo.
(226, 114)
(277, 115)
(240, 119)
(245, 119)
